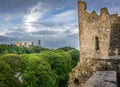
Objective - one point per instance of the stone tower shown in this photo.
(99, 34)
(99, 40)
(39, 42)
(30, 44)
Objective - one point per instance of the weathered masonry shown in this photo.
(99, 34)
(102, 79)
(99, 49)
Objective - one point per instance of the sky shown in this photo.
(54, 22)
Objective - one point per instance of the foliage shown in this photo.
(7, 78)
(75, 56)
(60, 64)
(37, 72)
(86, 69)
(5, 49)
(66, 48)
(38, 49)
(15, 61)
(39, 67)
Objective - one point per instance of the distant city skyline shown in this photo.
(54, 22)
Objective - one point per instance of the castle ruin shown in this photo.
(29, 44)
(99, 49)
(99, 34)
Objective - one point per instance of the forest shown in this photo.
(36, 66)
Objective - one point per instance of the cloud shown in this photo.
(114, 10)
(46, 32)
(16, 6)
(2, 33)
(60, 36)
(17, 35)
(107, 0)
(52, 22)
(6, 38)
(66, 16)
(36, 13)
(57, 30)
(71, 30)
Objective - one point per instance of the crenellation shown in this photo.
(99, 39)
(92, 25)
(104, 11)
(94, 13)
(82, 5)
(114, 15)
(119, 18)
(92, 17)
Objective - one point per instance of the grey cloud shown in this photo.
(61, 4)
(10, 40)
(46, 25)
(18, 34)
(15, 31)
(52, 34)
(16, 5)
(68, 31)
(6, 38)
(114, 10)
(61, 41)
(97, 5)
(15, 34)
(45, 32)
(23, 5)
(22, 30)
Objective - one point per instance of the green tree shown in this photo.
(14, 60)
(66, 48)
(37, 72)
(44, 68)
(75, 54)
(38, 49)
(60, 63)
(7, 78)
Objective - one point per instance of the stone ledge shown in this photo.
(109, 58)
(102, 79)
(112, 63)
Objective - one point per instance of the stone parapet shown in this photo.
(110, 63)
(102, 79)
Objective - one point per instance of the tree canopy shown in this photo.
(37, 66)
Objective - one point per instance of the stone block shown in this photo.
(102, 79)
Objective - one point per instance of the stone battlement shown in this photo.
(99, 49)
(98, 33)
(102, 79)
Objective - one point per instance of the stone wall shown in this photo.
(82, 72)
(111, 63)
(108, 74)
(99, 39)
(115, 39)
(102, 73)
(102, 79)
(105, 27)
